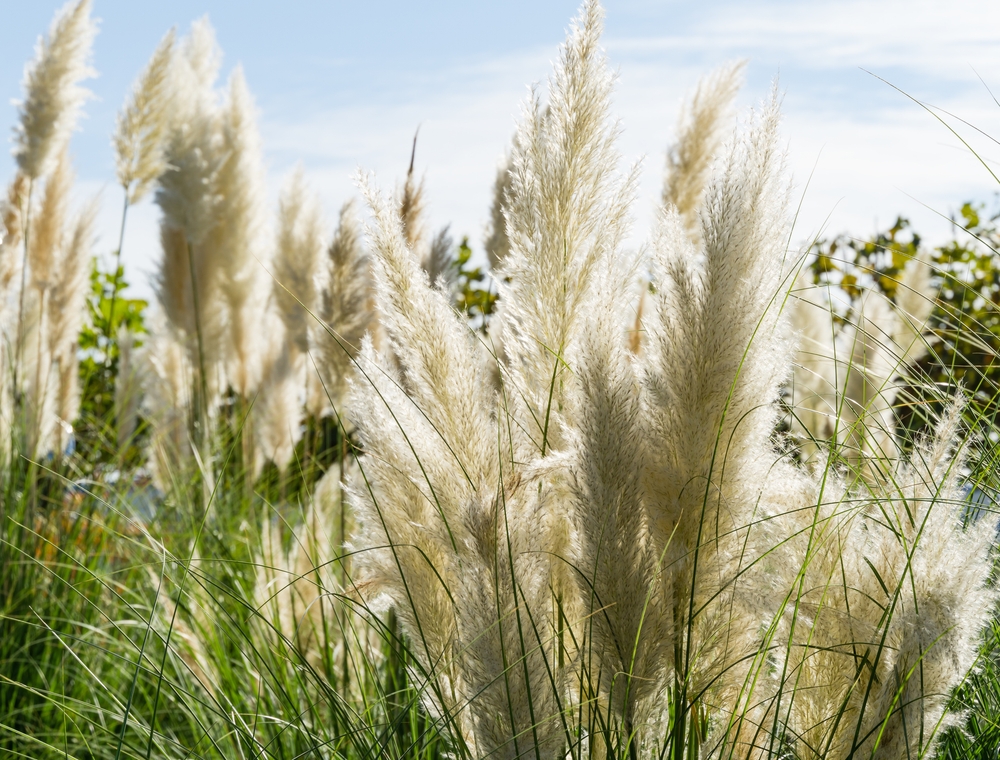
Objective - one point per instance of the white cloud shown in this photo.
(876, 154)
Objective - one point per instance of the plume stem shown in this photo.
(26, 215)
(201, 408)
(114, 284)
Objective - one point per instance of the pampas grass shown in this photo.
(345, 313)
(53, 95)
(700, 134)
(626, 544)
(846, 377)
(299, 247)
(539, 537)
(141, 126)
(241, 235)
(496, 243)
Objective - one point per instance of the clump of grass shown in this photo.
(532, 537)
(611, 551)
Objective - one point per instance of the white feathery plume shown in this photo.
(496, 243)
(345, 312)
(296, 589)
(411, 203)
(914, 302)
(193, 147)
(36, 412)
(66, 312)
(438, 263)
(240, 237)
(278, 411)
(714, 359)
(67, 302)
(47, 246)
(845, 380)
(10, 245)
(188, 199)
(49, 225)
(53, 95)
(452, 516)
(567, 217)
(65, 387)
(629, 627)
(11, 261)
(296, 261)
(166, 374)
(701, 131)
(568, 209)
(718, 584)
(894, 597)
(867, 424)
(142, 124)
(816, 374)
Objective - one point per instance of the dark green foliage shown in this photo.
(964, 332)
(476, 298)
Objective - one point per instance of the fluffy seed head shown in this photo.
(702, 128)
(345, 310)
(141, 126)
(49, 225)
(300, 245)
(496, 243)
(240, 237)
(53, 95)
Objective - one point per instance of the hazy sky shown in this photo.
(344, 85)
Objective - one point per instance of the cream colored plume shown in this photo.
(11, 210)
(724, 595)
(411, 203)
(187, 284)
(439, 263)
(820, 366)
(241, 237)
(66, 313)
(496, 243)
(167, 384)
(36, 413)
(49, 225)
(891, 576)
(476, 518)
(845, 380)
(47, 360)
(299, 247)
(278, 411)
(142, 125)
(345, 313)
(915, 298)
(53, 95)
(298, 593)
(704, 122)
(11, 261)
(193, 148)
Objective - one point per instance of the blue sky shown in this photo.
(344, 85)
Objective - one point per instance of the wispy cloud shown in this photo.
(872, 152)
